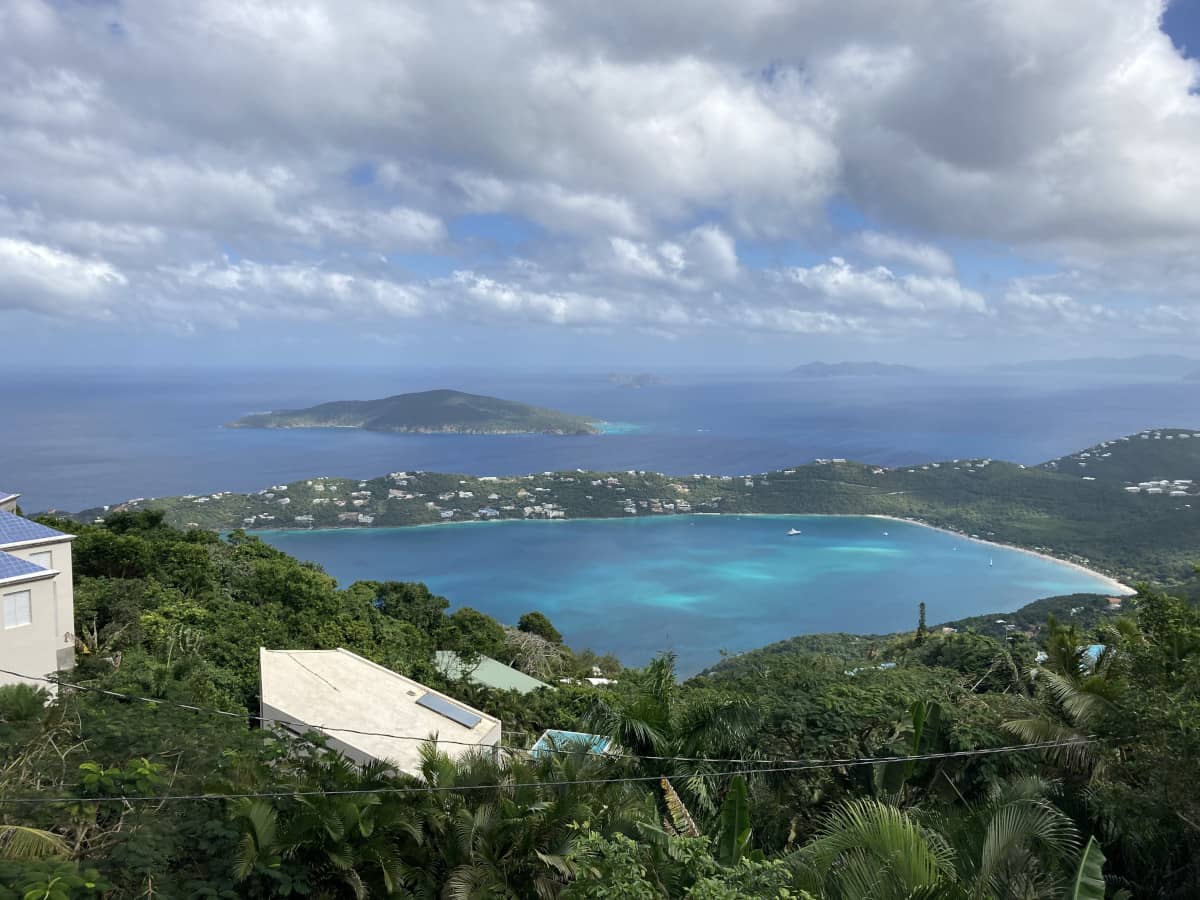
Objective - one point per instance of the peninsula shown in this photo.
(427, 412)
(1115, 521)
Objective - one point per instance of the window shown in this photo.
(18, 609)
(43, 558)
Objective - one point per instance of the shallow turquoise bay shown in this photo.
(696, 584)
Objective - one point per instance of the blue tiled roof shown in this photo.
(14, 529)
(12, 566)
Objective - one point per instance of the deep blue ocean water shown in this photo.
(697, 584)
(74, 439)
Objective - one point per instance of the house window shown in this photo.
(18, 609)
(43, 558)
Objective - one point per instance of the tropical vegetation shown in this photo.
(877, 771)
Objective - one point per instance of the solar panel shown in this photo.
(450, 710)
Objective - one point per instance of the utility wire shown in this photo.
(436, 789)
(307, 726)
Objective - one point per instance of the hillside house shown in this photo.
(331, 690)
(37, 600)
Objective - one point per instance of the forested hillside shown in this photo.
(1096, 522)
(755, 780)
(1161, 454)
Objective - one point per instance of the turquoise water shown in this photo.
(696, 584)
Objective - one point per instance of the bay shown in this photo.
(697, 585)
(80, 438)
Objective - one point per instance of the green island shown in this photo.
(426, 412)
(1132, 510)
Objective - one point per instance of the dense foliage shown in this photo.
(181, 614)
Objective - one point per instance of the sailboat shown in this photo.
(792, 532)
(991, 563)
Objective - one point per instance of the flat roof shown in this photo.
(16, 529)
(488, 672)
(340, 689)
(570, 741)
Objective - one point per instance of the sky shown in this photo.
(625, 184)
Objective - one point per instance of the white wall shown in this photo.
(30, 649)
(62, 594)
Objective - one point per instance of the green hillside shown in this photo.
(1135, 536)
(1163, 454)
(426, 411)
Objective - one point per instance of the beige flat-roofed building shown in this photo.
(342, 690)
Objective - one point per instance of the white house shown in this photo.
(387, 717)
(37, 601)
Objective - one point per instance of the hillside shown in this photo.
(848, 369)
(1136, 536)
(1165, 454)
(426, 412)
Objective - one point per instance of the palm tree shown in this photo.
(20, 842)
(1015, 845)
(869, 849)
(653, 721)
(1073, 693)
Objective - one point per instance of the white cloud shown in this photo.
(839, 283)
(654, 145)
(889, 247)
(43, 279)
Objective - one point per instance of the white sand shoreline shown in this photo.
(1117, 586)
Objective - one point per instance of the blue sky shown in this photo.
(533, 183)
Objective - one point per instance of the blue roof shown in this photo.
(13, 566)
(14, 530)
(569, 741)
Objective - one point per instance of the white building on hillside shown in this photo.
(387, 717)
(37, 599)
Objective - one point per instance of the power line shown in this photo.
(297, 724)
(436, 789)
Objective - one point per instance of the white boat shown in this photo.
(990, 562)
(793, 531)
(885, 534)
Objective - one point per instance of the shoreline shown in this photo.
(1115, 585)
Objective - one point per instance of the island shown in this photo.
(427, 412)
(853, 369)
(1114, 521)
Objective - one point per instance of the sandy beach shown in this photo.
(1117, 586)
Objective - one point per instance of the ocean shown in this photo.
(74, 438)
(697, 585)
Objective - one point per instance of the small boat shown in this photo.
(794, 531)
(885, 534)
(991, 563)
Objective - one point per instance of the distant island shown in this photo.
(846, 369)
(426, 412)
(642, 379)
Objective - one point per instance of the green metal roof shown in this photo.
(488, 672)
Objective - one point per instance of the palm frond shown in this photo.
(20, 842)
